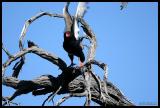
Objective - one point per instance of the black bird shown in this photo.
(71, 44)
(73, 47)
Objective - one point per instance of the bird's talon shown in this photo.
(71, 65)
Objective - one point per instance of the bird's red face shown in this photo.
(68, 34)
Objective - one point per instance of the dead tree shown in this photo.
(73, 81)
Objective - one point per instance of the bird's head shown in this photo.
(67, 34)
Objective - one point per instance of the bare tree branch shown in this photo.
(91, 36)
(6, 51)
(40, 52)
(23, 33)
(7, 102)
(90, 58)
(31, 20)
(63, 99)
(51, 96)
(77, 85)
(17, 67)
(70, 95)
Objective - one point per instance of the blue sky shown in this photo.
(126, 40)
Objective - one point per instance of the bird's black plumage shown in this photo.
(30, 44)
(71, 45)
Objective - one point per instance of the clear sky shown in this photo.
(127, 41)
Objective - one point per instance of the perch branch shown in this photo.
(115, 97)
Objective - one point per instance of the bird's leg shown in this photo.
(71, 58)
(72, 64)
(80, 63)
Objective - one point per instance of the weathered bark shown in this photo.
(75, 84)
(72, 82)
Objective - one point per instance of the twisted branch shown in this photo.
(40, 52)
(50, 84)
(31, 20)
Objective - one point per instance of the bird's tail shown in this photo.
(81, 10)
